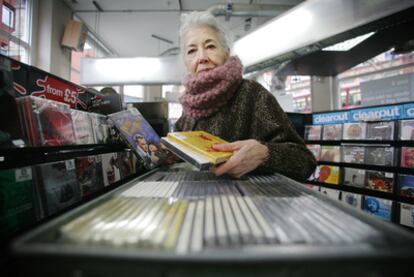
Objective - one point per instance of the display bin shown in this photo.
(299, 232)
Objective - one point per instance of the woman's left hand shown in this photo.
(248, 154)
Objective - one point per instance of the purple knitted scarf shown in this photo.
(206, 93)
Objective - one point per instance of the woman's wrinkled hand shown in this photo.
(248, 154)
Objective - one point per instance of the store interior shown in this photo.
(85, 200)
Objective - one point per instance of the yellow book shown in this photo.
(196, 145)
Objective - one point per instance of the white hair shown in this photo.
(202, 19)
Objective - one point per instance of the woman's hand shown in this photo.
(248, 154)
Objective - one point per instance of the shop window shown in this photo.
(7, 17)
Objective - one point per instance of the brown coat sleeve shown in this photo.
(288, 153)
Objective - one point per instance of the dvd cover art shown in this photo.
(406, 185)
(352, 199)
(53, 121)
(329, 174)
(354, 131)
(380, 130)
(331, 193)
(315, 149)
(111, 168)
(17, 207)
(406, 129)
(100, 127)
(380, 180)
(83, 127)
(140, 136)
(383, 156)
(379, 207)
(407, 215)
(353, 154)
(330, 153)
(200, 142)
(407, 157)
(313, 132)
(58, 185)
(90, 180)
(354, 177)
(332, 132)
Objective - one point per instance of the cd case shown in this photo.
(354, 131)
(332, 132)
(313, 132)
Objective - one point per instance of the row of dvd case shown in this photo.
(364, 154)
(361, 178)
(382, 208)
(195, 216)
(49, 123)
(32, 193)
(382, 130)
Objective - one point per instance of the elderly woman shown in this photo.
(218, 100)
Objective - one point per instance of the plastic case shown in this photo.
(305, 234)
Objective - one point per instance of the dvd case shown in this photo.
(331, 193)
(354, 131)
(406, 129)
(383, 156)
(330, 153)
(18, 209)
(315, 149)
(353, 154)
(58, 185)
(352, 199)
(380, 180)
(111, 168)
(354, 177)
(406, 185)
(89, 178)
(379, 207)
(407, 215)
(329, 174)
(100, 127)
(140, 136)
(313, 132)
(407, 157)
(332, 132)
(195, 147)
(83, 127)
(383, 130)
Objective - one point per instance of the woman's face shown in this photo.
(202, 50)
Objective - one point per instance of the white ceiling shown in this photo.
(127, 26)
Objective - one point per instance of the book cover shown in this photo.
(200, 142)
(330, 153)
(406, 129)
(380, 130)
(139, 135)
(315, 149)
(407, 157)
(17, 210)
(406, 185)
(353, 154)
(332, 132)
(379, 180)
(379, 207)
(407, 215)
(313, 132)
(354, 177)
(379, 156)
(329, 174)
(352, 199)
(354, 131)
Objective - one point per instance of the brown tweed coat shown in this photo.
(254, 113)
